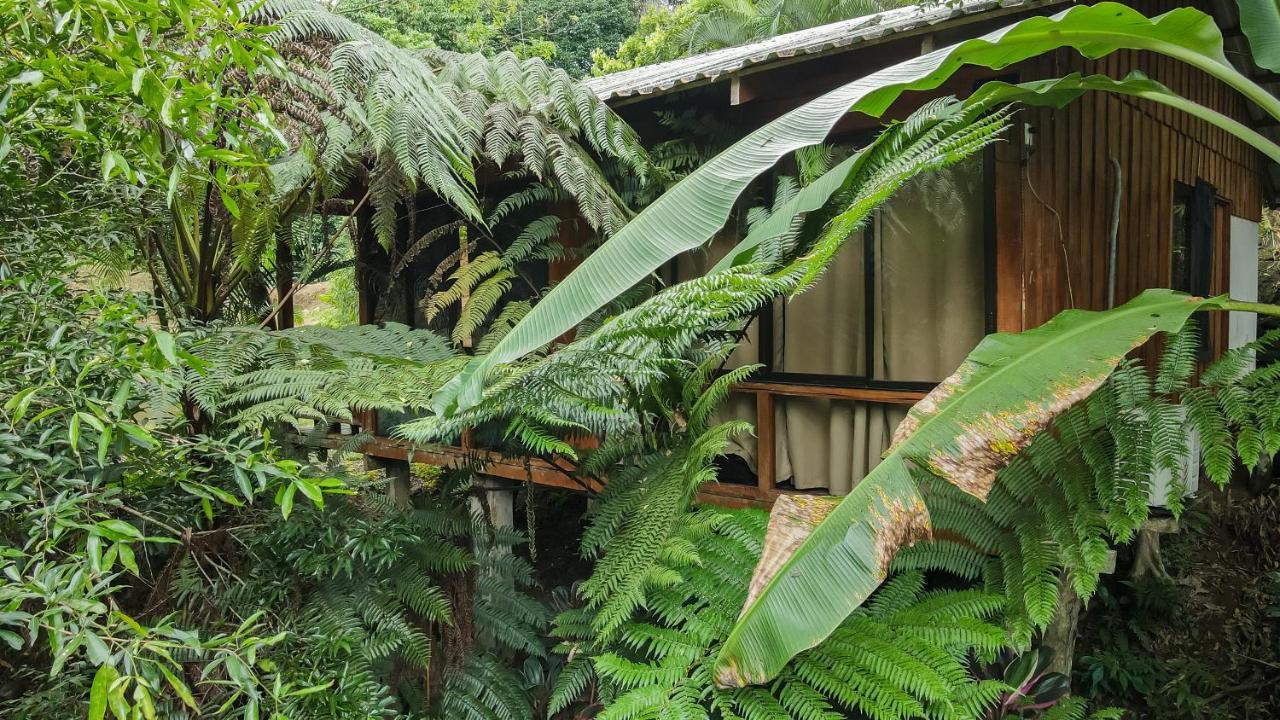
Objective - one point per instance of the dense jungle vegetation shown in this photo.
(171, 546)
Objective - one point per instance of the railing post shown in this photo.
(765, 462)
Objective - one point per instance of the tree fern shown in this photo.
(903, 655)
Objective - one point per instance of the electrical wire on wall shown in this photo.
(1062, 241)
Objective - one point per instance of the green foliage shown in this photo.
(562, 32)
(96, 469)
(376, 597)
(151, 571)
(314, 372)
(689, 214)
(1054, 507)
(1260, 21)
(725, 23)
(277, 108)
(905, 654)
(668, 32)
(660, 35)
(577, 28)
(83, 90)
(1034, 688)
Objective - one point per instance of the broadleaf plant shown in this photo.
(1008, 390)
(689, 214)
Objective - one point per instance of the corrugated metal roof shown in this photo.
(717, 64)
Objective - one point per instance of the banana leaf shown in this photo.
(1008, 389)
(1060, 91)
(1260, 21)
(689, 214)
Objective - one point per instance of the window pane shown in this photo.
(930, 275)
(1180, 277)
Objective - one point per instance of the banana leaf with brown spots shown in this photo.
(822, 561)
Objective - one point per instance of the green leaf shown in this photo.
(12, 639)
(180, 688)
(817, 567)
(310, 690)
(102, 681)
(128, 559)
(1260, 21)
(311, 490)
(142, 701)
(97, 650)
(116, 699)
(239, 672)
(19, 403)
(1061, 91)
(140, 434)
(285, 499)
(811, 197)
(114, 163)
(689, 214)
(118, 530)
(167, 347)
(73, 433)
(104, 445)
(175, 175)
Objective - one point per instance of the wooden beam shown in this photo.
(1006, 169)
(876, 395)
(449, 456)
(539, 471)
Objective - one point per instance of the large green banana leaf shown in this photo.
(697, 207)
(1009, 388)
(1260, 21)
(811, 197)
(1060, 91)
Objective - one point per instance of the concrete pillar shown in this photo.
(500, 497)
(398, 482)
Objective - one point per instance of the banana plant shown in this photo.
(688, 215)
(1010, 388)
(1058, 92)
(1007, 391)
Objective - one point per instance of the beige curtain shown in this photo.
(822, 333)
(930, 275)
(928, 280)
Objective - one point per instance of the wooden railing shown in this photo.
(766, 394)
(560, 474)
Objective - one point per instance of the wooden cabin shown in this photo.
(1080, 207)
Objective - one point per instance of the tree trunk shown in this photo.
(1061, 633)
(284, 281)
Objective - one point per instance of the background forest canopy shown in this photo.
(172, 545)
(563, 32)
(596, 36)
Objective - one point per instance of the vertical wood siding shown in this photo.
(1062, 188)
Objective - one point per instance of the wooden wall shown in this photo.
(1056, 195)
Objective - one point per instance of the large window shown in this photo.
(901, 306)
(905, 301)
